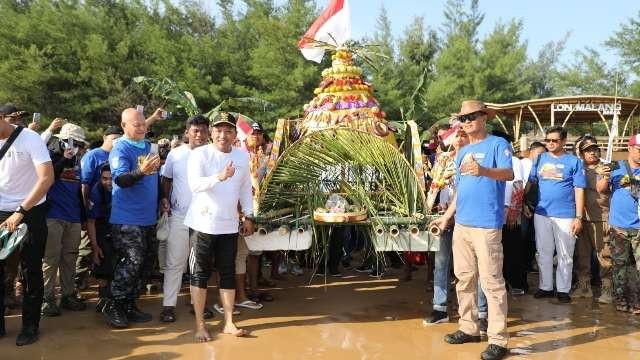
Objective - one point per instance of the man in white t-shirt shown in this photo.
(176, 197)
(219, 177)
(526, 229)
(27, 174)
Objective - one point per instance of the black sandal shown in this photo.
(260, 296)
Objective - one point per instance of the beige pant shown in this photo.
(594, 236)
(241, 256)
(477, 253)
(61, 252)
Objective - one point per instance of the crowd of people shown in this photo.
(502, 217)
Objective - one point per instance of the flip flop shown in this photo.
(248, 304)
(220, 310)
(9, 245)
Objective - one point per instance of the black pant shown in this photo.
(205, 248)
(31, 254)
(514, 266)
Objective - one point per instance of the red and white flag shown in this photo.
(448, 136)
(334, 20)
(243, 127)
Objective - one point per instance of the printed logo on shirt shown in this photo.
(115, 162)
(550, 171)
(467, 160)
(507, 153)
(70, 174)
(141, 160)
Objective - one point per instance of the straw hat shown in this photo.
(471, 106)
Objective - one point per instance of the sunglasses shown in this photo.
(555, 141)
(470, 117)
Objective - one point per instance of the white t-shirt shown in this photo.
(214, 205)
(516, 164)
(18, 169)
(175, 168)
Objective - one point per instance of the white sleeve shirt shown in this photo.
(214, 205)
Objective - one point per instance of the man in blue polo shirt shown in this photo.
(482, 168)
(559, 213)
(624, 236)
(134, 213)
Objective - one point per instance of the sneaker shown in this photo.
(516, 292)
(135, 315)
(282, 268)
(50, 308)
(583, 288)
(564, 297)
(115, 315)
(102, 302)
(28, 335)
(606, 295)
(296, 270)
(494, 352)
(376, 273)
(364, 269)
(543, 294)
(167, 315)
(459, 337)
(71, 303)
(436, 317)
(483, 324)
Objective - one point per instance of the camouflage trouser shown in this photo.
(136, 248)
(625, 249)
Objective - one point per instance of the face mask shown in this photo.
(140, 144)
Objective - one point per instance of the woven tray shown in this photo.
(340, 217)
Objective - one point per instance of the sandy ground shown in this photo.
(354, 317)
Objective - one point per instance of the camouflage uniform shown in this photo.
(625, 248)
(135, 248)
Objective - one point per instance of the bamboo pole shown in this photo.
(604, 121)
(502, 123)
(628, 118)
(519, 122)
(535, 117)
(567, 118)
(553, 116)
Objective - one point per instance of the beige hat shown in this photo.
(74, 131)
(471, 106)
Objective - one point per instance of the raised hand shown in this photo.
(150, 164)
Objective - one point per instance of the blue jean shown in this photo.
(441, 272)
(483, 307)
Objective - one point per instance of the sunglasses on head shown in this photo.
(555, 141)
(470, 117)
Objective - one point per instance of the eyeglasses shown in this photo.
(470, 117)
(555, 141)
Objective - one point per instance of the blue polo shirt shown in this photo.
(480, 199)
(137, 204)
(623, 213)
(557, 179)
(91, 161)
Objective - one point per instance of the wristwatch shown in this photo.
(21, 210)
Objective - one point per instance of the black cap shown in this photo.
(588, 143)
(224, 118)
(113, 130)
(8, 109)
(257, 127)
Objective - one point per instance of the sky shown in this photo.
(590, 22)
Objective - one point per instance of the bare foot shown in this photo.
(202, 335)
(231, 329)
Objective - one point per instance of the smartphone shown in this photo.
(154, 150)
(36, 118)
(70, 142)
(166, 115)
(140, 109)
